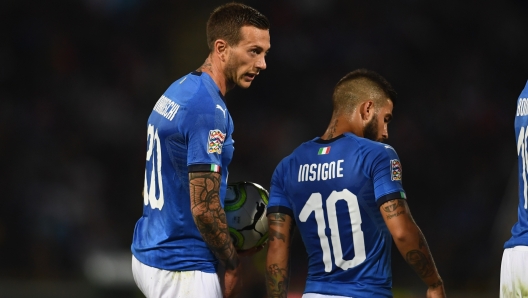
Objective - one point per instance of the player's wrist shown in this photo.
(232, 264)
(436, 284)
(233, 270)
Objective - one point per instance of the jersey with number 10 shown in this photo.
(333, 189)
(520, 229)
(189, 130)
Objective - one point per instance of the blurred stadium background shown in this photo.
(78, 80)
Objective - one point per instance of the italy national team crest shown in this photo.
(396, 170)
(216, 141)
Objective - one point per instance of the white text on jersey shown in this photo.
(522, 152)
(320, 171)
(522, 107)
(166, 107)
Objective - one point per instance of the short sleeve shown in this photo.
(387, 175)
(206, 131)
(278, 199)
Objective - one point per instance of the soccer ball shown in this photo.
(245, 207)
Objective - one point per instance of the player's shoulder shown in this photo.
(195, 88)
(189, 83)
(197, 93)
(301, 149)
(370, 146)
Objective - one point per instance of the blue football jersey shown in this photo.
(188, 130)
(333, 189)
(520, 229)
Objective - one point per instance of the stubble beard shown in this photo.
(230, 72)
(371, 130)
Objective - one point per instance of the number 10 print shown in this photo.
(315, 204)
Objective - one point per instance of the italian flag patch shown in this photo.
(324, 150)
(215, 168)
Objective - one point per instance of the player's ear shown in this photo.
(220, 49)
(366, 109)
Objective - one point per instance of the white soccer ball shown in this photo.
(245, 207)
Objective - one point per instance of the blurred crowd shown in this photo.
(78, 80)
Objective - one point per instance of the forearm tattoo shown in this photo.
(422, 262)
(277, 278)
(419, 262)
(210, 218)
(277, 281)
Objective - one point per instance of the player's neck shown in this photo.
(214, 70)
(342, 124)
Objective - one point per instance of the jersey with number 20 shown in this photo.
(333, 189)
(520, 229)
(189, 130)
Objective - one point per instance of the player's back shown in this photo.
(520, 229)
(334, 189)
(188, 127)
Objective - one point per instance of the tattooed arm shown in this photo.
(277, 261)
(412, 245)
(210, 219)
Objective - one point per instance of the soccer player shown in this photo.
(514, 267)
(343, 191)
(183, 235)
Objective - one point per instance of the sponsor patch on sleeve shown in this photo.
(215, 141)
(396, 170)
